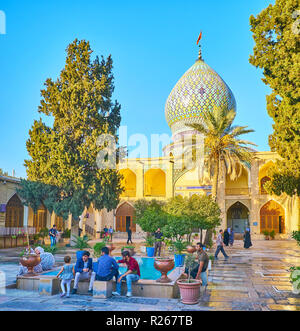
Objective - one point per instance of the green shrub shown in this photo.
(66, 233)
(98, 247)
(81, 243)
(272, 234)
(48, 249)
(127, 247)
(44, 233)
(190, 264)
(179, 246)
(296, 236)
(150, 240)
(266, 233)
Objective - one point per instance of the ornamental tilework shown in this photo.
(200, 88)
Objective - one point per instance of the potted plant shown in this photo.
(81, 244)
(179, 247)
(189, 288)
(130, 249)
(266, 233)
(43, 234)
(272, 234)
(29, 260)
(150, 240)
(295, 279)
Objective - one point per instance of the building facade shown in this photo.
(244, 202)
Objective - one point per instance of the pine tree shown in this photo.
(63, 156)
(276, 32)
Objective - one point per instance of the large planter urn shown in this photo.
(30, 261)
(190, 292)
(164, 265)
(191, 249)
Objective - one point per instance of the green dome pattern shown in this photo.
(199, 88)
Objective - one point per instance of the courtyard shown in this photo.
(251, 280)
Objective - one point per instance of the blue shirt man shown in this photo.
(107, 267)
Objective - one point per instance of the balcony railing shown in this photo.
(237, 191)
(129, 194)
(6, 232)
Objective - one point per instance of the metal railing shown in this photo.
(6, 232)
(89, 230)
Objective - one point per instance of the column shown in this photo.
(169, 180)
(255, 201)
(25, 219)
(98, 221)
(139, 181)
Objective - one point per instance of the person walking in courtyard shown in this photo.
(158, 242)
(107, 267)
(53, 235)
(129, 232)
(226, 237)
(66, 274)
(247, 239)
(220, 246)
(83, 271)
(111, 231)
(132, 274)
(231, 237)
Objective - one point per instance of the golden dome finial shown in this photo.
(200, 51)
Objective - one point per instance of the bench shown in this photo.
(51, 286)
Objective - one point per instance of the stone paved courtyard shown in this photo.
(254, 279)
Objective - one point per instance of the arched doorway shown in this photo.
(125, 217)
(129, 183)
(14, 216)
(238, 217)
(272, 217)
(40, 219)
(155, 183)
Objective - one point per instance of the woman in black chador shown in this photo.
(247, 239)
(226, 237)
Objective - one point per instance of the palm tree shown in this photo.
(222, 146)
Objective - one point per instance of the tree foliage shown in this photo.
(276, 32)
(222, 144)
(150, 215)
(63, 156)
(3, 173)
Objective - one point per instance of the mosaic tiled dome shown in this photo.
(199, 88)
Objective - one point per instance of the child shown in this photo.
(67, 274)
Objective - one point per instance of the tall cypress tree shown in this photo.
(276, 32)
(63, 156)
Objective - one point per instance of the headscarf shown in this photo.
(40, 249)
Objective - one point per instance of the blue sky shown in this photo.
(152, 44)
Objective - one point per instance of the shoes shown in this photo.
(74, 291)
(117, 294)
(129, 294)
(68, 296)
(90, 291)
(226, 258)
(63, 295)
